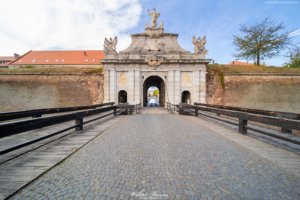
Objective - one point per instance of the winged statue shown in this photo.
(110, 45)
(154, 62)
(199, 45)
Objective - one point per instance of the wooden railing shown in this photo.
(15, 127)
(138, 108)
(39, 112)
(172, 107)
(243, 118)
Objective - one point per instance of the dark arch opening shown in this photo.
(158, 82)
(122, 96)
(185, 96)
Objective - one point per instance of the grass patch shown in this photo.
(52, 70)
(256, 69)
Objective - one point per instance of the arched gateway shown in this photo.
(154, 58)
(158, 82)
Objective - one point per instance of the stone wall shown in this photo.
(24, 92)
(278, 92)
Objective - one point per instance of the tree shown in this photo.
(156, 92)
(261, 40)
(293, 55)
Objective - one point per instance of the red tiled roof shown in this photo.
(6, 58)
(239, 63)
(4, 64)
(74, 57)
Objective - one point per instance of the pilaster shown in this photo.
(137, 86)
(196, 85)
(106, 86)
(113, 86)
(177, 88)
(202, 86)
(170, 86)
(131, 89)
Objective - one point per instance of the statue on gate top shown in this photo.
(154, 17)
(110, 46)
(199, 45)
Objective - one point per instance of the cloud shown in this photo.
(294, 33)
(65, 24)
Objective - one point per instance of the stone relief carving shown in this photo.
(110, 46)
(186, 79)
(199, 45)
(122, 79)
(154, 17)
(153, 61)
(155, 45)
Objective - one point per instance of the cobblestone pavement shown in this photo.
(168, 156)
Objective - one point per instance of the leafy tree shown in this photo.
(294, 56)
(261, 40)
(156, 92)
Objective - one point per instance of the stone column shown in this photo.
(106, 86)
(202, 86)
(177, 88)
(170, 85)
(131, 89)
(196, 86)
(113, 86)
(137, 86)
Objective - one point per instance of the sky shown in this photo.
(83, 24)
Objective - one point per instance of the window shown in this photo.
(47, 60)
(93, 60)
(33, 60)
(56, 60)
(20, 60)
(2, 62)
(63, 60)
(87, 60)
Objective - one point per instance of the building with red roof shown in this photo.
(5, 60)
(238, 63)
(64, 58)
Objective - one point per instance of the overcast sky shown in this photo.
(83, 24)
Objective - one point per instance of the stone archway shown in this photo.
(157, 82)
(185, 96)
(122, 96)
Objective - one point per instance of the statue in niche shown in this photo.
(199, 45)
(154, 17)
(110, 46)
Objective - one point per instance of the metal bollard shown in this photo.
(196, 111)
(115, 111)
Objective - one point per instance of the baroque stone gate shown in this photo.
(154, 58)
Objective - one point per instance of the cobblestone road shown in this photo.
(166, 155)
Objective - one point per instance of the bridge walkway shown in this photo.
(169, 156)
(20, 167)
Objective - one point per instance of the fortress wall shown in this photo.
(270, 92)
(24, 92)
